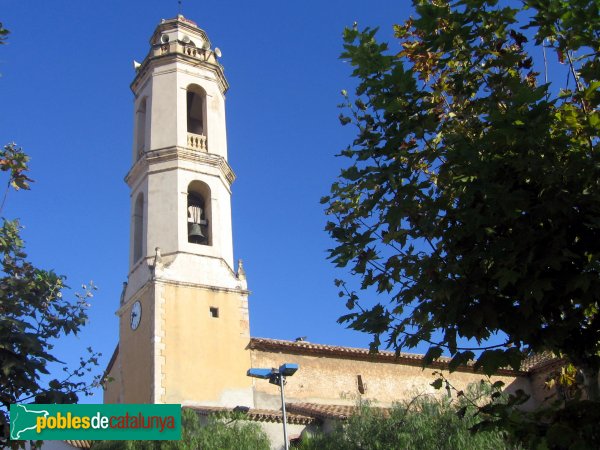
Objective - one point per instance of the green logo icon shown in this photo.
(23, 418)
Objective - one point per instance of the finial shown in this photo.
(157, 257)
(241, 273)
(179, 9)
(157, 267)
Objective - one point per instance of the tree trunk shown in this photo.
(591, 381)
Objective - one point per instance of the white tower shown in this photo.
(180, 159)
(184, 314)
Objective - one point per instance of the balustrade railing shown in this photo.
(196, 142)
(191, 51)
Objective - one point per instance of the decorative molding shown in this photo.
(205, 287)
(178, 153)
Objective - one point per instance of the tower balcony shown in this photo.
(197, 142)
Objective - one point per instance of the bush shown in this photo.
(424, 423)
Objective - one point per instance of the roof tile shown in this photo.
(340, 412)
(412, 359)
(258, 415)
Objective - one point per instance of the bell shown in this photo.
(196, 231)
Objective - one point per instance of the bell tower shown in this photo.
(184, 324)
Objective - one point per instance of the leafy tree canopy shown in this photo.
(471, 202)
(33, 314)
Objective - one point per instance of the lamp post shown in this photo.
(277, 376)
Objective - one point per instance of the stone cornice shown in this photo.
(204, 287)
(178, 153)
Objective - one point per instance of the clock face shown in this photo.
(136, 315)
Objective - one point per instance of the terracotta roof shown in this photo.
(340, 412)
(308, 348)
(540, 361)
(257, 415)
(80, 444)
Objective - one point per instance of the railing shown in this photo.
(191, 51)
(196, 142)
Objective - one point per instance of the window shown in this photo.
(196, 99)
(138, 227)
(362, 387)
(196, 118)
(214, 312)
(199, 213)
(140, 140)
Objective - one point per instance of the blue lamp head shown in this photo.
(288, 369)
(259, 373)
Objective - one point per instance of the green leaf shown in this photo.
(437, 383)
(432, 354)
(460, 359)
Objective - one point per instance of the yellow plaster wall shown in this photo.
(136, 353)
(112, 383)
(332, 380)
(205, 357)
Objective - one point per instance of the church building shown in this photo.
(184, 330)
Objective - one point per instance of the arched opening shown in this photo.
(199, 213)
(140, 138)
(195, 109)
(196, 117)
(138, 227)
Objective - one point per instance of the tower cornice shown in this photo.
(184, 154)
(196, 57)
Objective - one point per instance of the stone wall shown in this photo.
(335, 380)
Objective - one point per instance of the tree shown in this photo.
(33, 314)
(471, 202)
(424, 423)
(219, 432)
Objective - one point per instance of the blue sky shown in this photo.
(66, 100)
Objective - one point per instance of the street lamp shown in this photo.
(277, 376)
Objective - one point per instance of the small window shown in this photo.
(141, 129)
(214, 312)
(361, 386)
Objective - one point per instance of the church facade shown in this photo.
(184, 333)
